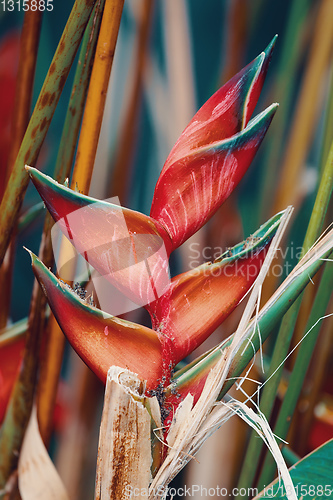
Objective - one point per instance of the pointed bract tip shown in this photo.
(257, 63)
(273, 107)
(270, 47)
(32, 255)
(264, 116)
(33, 172)
(28, 169)
(29, 251)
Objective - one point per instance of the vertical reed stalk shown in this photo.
(20, 119)
(98, 86)
(83, 169)
(51, 364)
(41, 118)
(307, 108)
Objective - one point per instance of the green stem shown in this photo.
(267, 319)
(41, 118)
(328, 126)
(71, 129)
(321, 203)
(298, 374)
(287, 326)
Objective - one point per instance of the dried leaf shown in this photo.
(37, 476)
(124, 453)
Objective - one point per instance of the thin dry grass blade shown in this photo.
(258, 422)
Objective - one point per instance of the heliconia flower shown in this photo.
(131, 249)
(212, 291)
(10, 360)
(203, 168)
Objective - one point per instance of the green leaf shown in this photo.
(312, 477)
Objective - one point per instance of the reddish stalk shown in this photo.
(24, 88)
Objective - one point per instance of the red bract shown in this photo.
(212, 154)
(198, 301)
(119, 243)
(227, 112)
(190, 190)
(132, 249)
(100, 339)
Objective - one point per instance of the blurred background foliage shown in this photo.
(171, 55)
